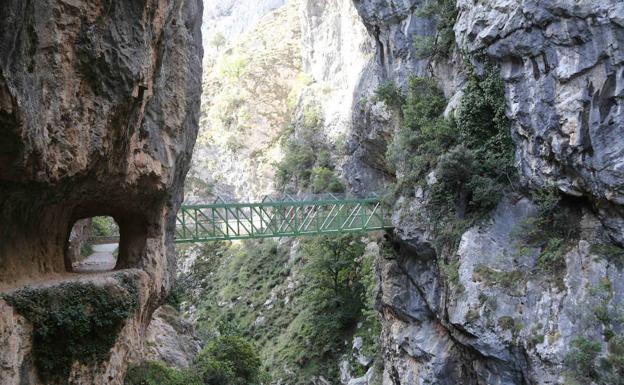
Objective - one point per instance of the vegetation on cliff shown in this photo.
(74, 322)
(227, 359)
(299, 305)
(470, 154)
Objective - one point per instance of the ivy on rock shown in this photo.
(74, 322)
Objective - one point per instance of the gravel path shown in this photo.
(102, 259)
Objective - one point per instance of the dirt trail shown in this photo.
(102, 259)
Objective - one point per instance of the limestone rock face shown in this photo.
(562, 62)
(392, 23)
(501, 321)
(171, 339)
(99, 108)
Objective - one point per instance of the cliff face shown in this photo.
(99, 107)
(562, 64)
(500, 320)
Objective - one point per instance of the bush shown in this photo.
(228, 360)
(554, 229)
(424, 134)
(581, 358)
(583, 362)
(611, 252)
(74, 322)
(153, 373)
(104, 227)
(296, 166)
(335, 292)
(324, 180)
(444, 12)
(390, 94)
(307, 166)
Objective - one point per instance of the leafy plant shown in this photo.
(444, 13)
(154, 373)
(228, 360)
(390, 94)
(74, 322)
(324, 180)
(335, 292)
(104, 227)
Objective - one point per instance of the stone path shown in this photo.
(102, 259)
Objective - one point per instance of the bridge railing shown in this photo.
(279, 218)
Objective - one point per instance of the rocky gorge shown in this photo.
(491, 128)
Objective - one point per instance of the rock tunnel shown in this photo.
(94, 123)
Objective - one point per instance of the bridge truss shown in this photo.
(285, 217)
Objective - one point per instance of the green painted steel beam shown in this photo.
(278, 218)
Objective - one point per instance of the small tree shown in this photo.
(336, 292)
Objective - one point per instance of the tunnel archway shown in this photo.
(93, 245)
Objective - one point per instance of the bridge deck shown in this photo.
(284, 218)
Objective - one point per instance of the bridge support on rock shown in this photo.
(286, 217)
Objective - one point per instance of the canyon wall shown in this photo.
(498, 320)
(99, 109)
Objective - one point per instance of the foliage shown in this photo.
(228, 360)
(424, 134)
(324, 180)
(583, 361)
(390, 94)
(513, 280)
(104, 227)
(611, 252)
(86, 250)
(312, 118)
(581, 357)
(450, 271)
(74, 322)
(472, 156)
(335, 293)
(444, 13)
(296, 166)
(218, 40)
(153, 373)
(233, 66)
(307, 165)
(233, 287)
(554, 229)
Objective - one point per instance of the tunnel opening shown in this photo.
(93, 245)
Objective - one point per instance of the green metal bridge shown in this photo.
(280, 217)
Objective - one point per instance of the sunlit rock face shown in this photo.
(99, 108)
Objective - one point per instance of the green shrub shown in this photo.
(306, 166)
(554, 229)
(390, 94)
(583, 361)
(153, 373)
(444, 13)
(424, 134)
(104, 227)
(335, 292)
(296, 166)
(324, 180)
(312, 117)
(228, 360)
(581, 358)
(74, 322)
(513, 280)
(450, 272)
(86, 250)
(611, 252)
